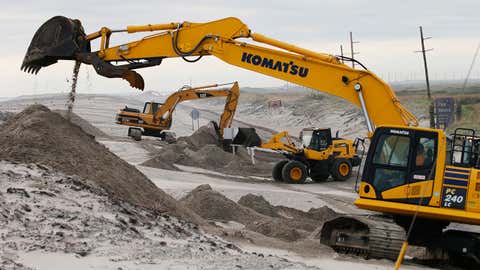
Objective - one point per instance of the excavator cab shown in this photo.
(151, 107)
(417, 176)
(400, 165)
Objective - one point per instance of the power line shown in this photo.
(470, 69)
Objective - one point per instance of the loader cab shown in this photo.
(151, 107)
(399, 162)
(316, 139)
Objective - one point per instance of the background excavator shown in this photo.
(156, 118)
(419, 178)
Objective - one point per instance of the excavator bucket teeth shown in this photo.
(59, 38)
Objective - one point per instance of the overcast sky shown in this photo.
(387, 31)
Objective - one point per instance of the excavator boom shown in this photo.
(318, 71)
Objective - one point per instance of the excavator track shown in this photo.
(370, 237)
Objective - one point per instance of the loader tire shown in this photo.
(277, 171)
(294, 172)
(341, 169)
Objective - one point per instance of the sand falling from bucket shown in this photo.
(71, 96)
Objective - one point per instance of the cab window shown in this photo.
(149, 105)
(391, 160)
(318, 140)
(424, 157)
(425, 153)
(392, 150)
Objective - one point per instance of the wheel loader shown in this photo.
(320, 157)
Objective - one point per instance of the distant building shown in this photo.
(274, 104)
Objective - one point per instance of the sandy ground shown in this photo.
(54, 221)
(100, 111)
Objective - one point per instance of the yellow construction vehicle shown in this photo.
(281, 141)
(321, 156)
(156, 118)
(415, 175)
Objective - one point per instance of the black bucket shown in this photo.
(59, 38)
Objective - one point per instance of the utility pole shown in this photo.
(352, 51)
(341, 53)
(431, 108)
(423, 51)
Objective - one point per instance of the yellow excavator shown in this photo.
(320, 156)
(421, 179)
(156, 118)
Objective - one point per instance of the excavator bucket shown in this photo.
(59, 38)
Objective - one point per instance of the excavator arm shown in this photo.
(322, 72)
(164, 113)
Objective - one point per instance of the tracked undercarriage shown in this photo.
(371, 238)
(380, 237)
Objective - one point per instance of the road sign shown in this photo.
(195, 114)
(444, 111)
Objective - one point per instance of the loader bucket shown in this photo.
(247, 137)
(59, 38)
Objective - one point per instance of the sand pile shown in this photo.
(307, 221)
(213, 205)
(83, 124)
(46, 217)
(259, 204)
(201, 137)
(202, 150)
(256, 214)
(38, 135)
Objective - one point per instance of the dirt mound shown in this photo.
(54, 215)
(83, 124)
(204, 135)
(38, 135)
(211, 156)
(169, 155)
(276, 228)
(213, 205)
(292, 218)
(259, 204)
(202, 150)
(253, 211)
(323, 213)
